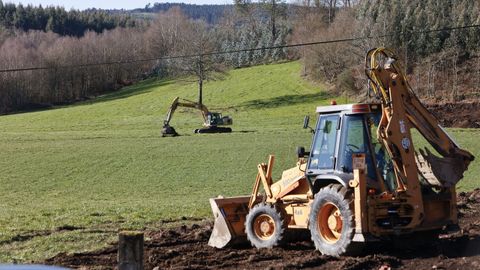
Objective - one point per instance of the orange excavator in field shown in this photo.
(212, 121)
(365, 178)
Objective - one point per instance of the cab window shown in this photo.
(322, 155)
(384, 162)
(355, 141)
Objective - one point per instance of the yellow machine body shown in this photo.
(419, 195)
(292, 189)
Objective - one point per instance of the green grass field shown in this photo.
(72, 177)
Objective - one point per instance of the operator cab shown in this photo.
(342, 131)
(214, 118)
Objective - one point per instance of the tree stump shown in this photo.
(130, 250)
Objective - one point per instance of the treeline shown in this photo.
(60, 21)
(405, 21)
(69, 77)
(212, 14)
(255, 25)
(62, 82)
(440, 64)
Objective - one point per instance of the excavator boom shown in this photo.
(169, 131)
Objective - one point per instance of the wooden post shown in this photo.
(130, 250)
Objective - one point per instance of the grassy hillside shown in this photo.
(71, 177)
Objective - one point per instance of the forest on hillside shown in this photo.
(58, 20)
(441, 63)
(82, 54)
(211, 14)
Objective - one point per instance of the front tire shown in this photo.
(265, 226)
(332, 223)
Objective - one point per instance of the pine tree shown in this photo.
(19, 18)
(258, 56)
(421, 39)
(407, 35)
(50, 27)
(244, 57)
(276, 9)
(458, 39)
(434, 20)
(279, 53)
(2, 13)
(398, 13)
(475, 33)
(470, 18)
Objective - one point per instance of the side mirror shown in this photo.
(306, 120)
(301, 152)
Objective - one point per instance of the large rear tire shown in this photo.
(265, 226)
(332, 223)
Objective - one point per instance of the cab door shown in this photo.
(322, 154)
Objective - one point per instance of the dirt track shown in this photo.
(459, 115)
(186, 248)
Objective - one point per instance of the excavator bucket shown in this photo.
(168, 131)
(441, 171)
(230, 214)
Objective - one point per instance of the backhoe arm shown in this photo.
(402, 110)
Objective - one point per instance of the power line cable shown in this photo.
(120, 62)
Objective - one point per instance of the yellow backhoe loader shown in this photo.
(211, 120)
(362, 180)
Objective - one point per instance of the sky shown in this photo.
(110, 4)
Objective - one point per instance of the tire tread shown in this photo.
(344, 245)
(278, 216)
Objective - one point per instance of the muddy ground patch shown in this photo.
(185, 247)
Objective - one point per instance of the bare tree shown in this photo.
(247, 9)
(197, 39)
(163, 36)
(64, 81)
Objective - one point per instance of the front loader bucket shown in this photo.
(229, 227)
